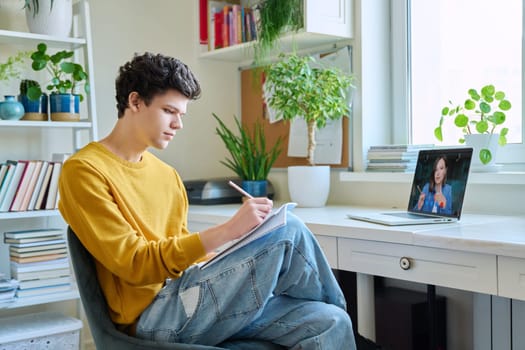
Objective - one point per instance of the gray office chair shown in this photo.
(105, 334)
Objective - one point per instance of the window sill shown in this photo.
(495, 178)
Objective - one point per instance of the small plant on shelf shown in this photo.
(483, 112)
(276, 17)
(66, 76)
(34, 6)
(12, 67)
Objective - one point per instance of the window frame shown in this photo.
(512, 156)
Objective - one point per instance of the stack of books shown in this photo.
(8, 289)
(394, 158)
(39, 261)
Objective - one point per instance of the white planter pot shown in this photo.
(479, 142)
(56, 22)
(309, 186)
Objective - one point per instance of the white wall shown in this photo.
(123, 27)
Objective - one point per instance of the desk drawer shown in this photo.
(329, 247)
(454, 269)
(511, 277)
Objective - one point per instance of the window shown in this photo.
(452, 46)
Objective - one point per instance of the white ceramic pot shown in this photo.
(309, 186)
(479, 142)
(54, 21)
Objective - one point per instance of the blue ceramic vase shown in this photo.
(11, 109)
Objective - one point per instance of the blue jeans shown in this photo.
(279, 288)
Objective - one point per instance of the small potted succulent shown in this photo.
(299, 87)
(49, 17)
(480, 119)
(35, 106)
(250, 157)
(66, 79)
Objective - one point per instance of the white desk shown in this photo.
(481, 253)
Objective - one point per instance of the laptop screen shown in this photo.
(440, 180)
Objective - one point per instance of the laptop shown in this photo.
(437, 192)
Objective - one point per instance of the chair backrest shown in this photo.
(105, 334)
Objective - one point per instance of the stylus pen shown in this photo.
(234, 185)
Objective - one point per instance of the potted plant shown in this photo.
(66, 79)
(295, 88)
(250, 158)
(480, 119)
(11, 69)
(35, 104)
(276, 17)
(50, 17)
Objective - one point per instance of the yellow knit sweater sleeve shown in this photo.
(132, 217)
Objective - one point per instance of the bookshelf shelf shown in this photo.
(23, 38)
(29, 214)
(326, 24)
(42, 299)
(44, 124)
(300, 41)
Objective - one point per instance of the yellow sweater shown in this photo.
(132, 217)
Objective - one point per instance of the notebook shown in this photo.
(437, 192)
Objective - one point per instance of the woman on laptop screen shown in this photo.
(436, 195)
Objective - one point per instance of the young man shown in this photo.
(129, 209)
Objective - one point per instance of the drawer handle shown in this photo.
(404, 262)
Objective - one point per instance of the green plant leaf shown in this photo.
(504, 105)
(474, 94)
(500, 95)
(488, 91)
(461, 120)
(469, 105)
(485, 156)
(438, 133)
(34, 93)
(498, 118)
(502, 140)
(482, 126)
(445, 111)
(484, 107)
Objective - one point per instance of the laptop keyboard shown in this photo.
(410, 215)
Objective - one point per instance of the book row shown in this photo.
(39, 262)
(230, 24)
(29, 184)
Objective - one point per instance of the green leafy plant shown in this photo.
(34, 6)
(316, 94)
(276, 16)
(12, 68)
(250, 158)
(66, 76)
(482, 112)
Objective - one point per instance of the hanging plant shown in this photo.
(276, 17)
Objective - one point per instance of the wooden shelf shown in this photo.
(24, 38)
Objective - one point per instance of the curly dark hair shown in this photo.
(152, 74)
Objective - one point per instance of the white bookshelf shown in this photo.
(31, 139)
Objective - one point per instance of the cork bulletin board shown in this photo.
(253, 110)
